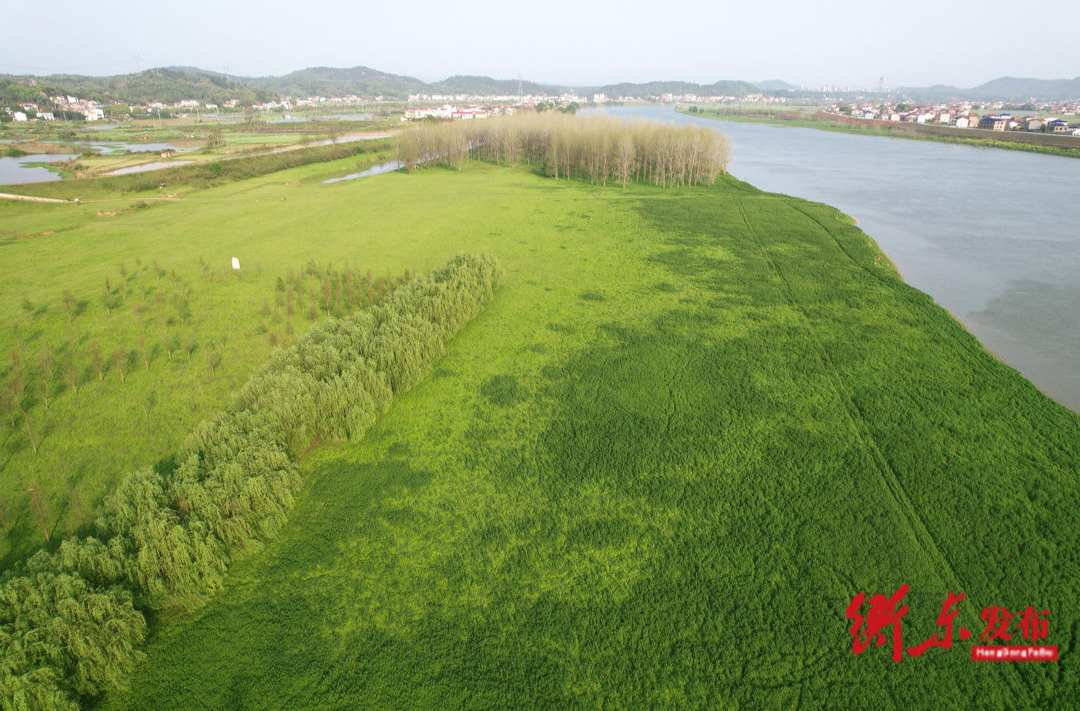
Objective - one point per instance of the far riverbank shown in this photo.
(839, 124)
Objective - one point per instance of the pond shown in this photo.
(20, 170)
(146, 167)
(373, 170)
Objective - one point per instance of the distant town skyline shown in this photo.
(558, 42)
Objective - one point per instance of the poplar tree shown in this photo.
(45, 374)
(95, 355)
(71, 373)
(69, 304)
(119, 361)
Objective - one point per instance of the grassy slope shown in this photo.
(89, 440)
(651, 474)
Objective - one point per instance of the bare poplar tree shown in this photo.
(45, 374)
(119, 361)
(69, 304)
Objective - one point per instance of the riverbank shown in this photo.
(679, 409)
(827, 122)
(983, 231)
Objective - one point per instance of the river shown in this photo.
(993, 235)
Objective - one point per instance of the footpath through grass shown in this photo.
(654, 472)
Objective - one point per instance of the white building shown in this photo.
(19, 116)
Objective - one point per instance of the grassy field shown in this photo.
(691, 426)
(183, 328)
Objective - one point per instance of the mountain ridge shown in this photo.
(171, 84)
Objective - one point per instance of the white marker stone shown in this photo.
(235, 262)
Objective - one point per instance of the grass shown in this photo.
(179, 285)
(653, 473)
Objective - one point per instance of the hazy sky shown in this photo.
(916, 42)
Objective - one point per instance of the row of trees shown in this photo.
(69, 621)
(325, 290)
(113, 294)
(597, 149)
(44, 377)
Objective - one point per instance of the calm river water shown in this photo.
(992, 235)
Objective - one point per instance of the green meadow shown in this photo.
(157, 333)
(691, 425)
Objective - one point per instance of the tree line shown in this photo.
(71, 621)
(597, 148)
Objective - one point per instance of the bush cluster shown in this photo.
(71, 621)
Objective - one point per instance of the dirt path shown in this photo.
(31, 198)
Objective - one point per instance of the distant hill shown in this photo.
(488, 86)
(331, 81)
(369, 82)
(658, 88)
(1001, 89)
(167, 84)
(171, 84)
(776, 85)
(1013, 89)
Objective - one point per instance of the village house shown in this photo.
(994, 123)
